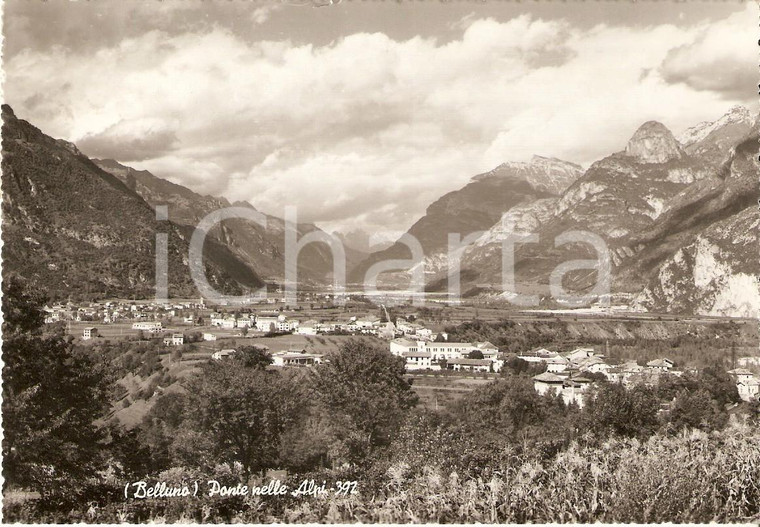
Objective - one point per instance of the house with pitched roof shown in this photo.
(472, 365)
(420, 360)
(660, 364)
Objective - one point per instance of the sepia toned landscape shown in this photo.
(380, 263)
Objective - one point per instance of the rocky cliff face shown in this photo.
(653, 143)
(703, 256)
(680, 222)
(615, 198)
(474, 208)
(713, 140)
(544, 174)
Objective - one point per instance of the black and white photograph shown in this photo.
(380, 262)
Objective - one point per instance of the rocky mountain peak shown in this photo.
(653, 143)
(7, 111)
(738, 115)
(545, 174)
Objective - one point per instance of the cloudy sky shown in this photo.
(363, 113)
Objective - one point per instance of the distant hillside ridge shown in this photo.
(72, 229)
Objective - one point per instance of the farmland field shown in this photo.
(437, 392)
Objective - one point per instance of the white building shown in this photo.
(367, 322)
(749, 390)
(571, 389)
(480, 365)
(89, 333)
(209, 337)
(419, 360)
(223, 354)
(660, 364)
(177, 339)
(267, 324)
(246, 322)
(540, 355)
(747, 384)
(153, 327)
(401, 345)
(557, 364)
(295, 358)
(309, 327)
(488, 350)
(403, 326)
(449, 350)
(424, 333)
(579, 353)
(741, 374)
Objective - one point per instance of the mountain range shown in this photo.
(261, 248)
(679, 216)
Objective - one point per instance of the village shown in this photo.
(569, 374)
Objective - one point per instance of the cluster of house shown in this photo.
(457, 356)
(109, 312)
(569, 374)
(266, 322)
(278, 322)
(368, 325)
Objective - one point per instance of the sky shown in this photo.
(363, 113)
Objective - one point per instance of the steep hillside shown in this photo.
(616, 197)
(680, 221)
(73, 229)
(262, 248)
(704, 255)
(476, 207)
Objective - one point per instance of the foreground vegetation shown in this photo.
(685, 450)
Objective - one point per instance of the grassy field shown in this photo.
(437, 392)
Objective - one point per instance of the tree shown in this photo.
(253, 357)
(52, 394)
(514, 365)
(244, 409)
(364, 392)
(719, 383)
(697, 410)
(503, 406)
(476, 354)
(510, 409)
(615, 409)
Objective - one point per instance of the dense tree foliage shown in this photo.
(244, 410)
(363, 391)
(52, 395)
(613, 409)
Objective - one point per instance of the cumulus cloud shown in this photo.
(130, 140)
(367, 130)
(719, 58)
